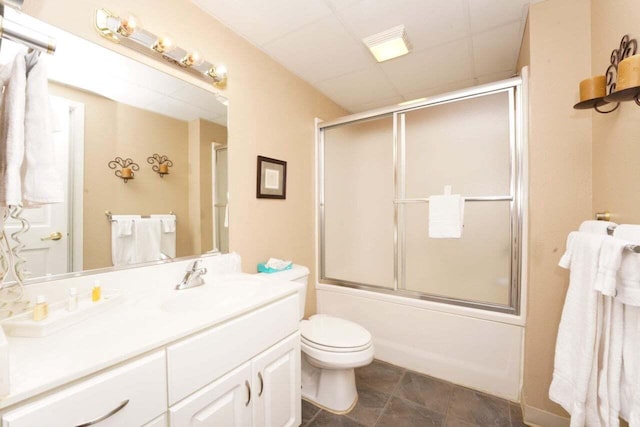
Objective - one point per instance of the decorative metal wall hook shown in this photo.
(628, 47)
(124, 168)
(161, 164)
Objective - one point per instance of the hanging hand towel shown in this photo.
(12, 137)
(446, 216)
(168, 237)
(123, 246)
(41, 182)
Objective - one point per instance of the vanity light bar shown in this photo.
(128, 32)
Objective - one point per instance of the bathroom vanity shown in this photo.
(226, 353)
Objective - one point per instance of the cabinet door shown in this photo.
(224, 402)
(276, 384)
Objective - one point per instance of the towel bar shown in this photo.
(466, 199)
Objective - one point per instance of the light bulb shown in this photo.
(128, 25)
(163, 44)
(192, 58)
(221, 71)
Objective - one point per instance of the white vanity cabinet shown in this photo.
(244, 371)
(130, 395)
(262, 392)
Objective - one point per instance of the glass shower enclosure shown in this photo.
(376, 172)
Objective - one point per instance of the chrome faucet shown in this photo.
(193, 277)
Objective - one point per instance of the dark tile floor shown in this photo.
(396, 397)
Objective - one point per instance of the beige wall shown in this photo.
(271, 113)
(560, 175)
(616, 150)
(112, 129)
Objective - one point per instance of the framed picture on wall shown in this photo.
(272, 178)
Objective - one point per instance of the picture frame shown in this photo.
(271, 178)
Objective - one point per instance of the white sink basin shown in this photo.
(211, 297)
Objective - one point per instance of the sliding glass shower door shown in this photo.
(376, 175)
(358, 231)
(465, 144)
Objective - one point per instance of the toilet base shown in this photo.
(332, 389)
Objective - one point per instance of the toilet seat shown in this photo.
(335, 335)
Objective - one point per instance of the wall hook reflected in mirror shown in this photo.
(161, 164)
(124, 168)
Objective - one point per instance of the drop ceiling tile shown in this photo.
(350, 90)
(320, 51)
(262, 21)
(428, 23)
(340, 4)
(431, 67)
(450, 87)
(494, 77)
(497, 50)
(486, 14)
(377, 103)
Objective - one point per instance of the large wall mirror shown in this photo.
(106, 105)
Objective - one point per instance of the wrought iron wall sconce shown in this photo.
(161, 164)
(619, 82)
(124, 168)
(127, 31)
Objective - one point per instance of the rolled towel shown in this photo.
(277, 264)
(12, 137)
(41, 182)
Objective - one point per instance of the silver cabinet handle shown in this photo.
(105, 416)
(246, 383)
(261, 384)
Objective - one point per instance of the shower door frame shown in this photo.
(513, 87)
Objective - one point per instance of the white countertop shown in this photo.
(145, 320)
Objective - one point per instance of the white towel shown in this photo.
(12, 137)
(573, 385)
(124, 224)
(168, 237)
(608, 265)
(147, 233)
(446, 216)
(628, 293)
(123, 247)
(597, 227)
(41, 182)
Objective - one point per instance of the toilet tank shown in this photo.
(298, 274)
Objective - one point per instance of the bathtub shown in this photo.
(475, 348)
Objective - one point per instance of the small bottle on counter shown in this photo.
(41, 309)
(96, 292)
(72, 303)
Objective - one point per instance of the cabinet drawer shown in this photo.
(201, 359)
(141, 384)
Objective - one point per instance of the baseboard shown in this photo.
(537, 417)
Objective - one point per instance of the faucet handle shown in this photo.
(196, 265)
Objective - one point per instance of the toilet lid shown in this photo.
(329, 331)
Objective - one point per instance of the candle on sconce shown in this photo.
(126, 173)
(593, 87)
(164, 168)
(628, 73)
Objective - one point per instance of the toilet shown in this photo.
(331, 349)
